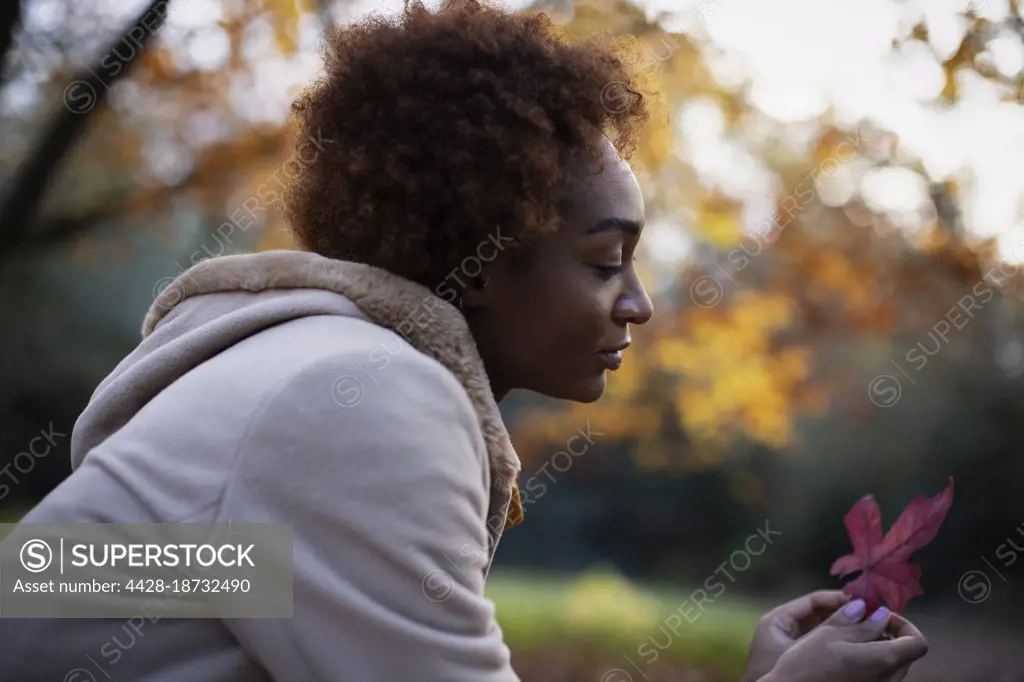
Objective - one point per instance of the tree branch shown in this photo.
(10, 20)
(56, 231)
(82, 98)
(324, 14)
(61, 229)
(212, 168)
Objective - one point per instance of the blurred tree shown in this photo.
(26, 189)
(133, 139)
(163, 124)
(10, 20)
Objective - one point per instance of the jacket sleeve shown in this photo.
(382, 475)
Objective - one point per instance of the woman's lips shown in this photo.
(611, 358)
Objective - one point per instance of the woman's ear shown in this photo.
(475, 294)
(498, 277)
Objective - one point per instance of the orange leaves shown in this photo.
(720, 228)
(732, 378)
(832, 270)
(950, 90)
(835, 267)
(540, 433)
(920, 32)
(276, 237)
(720, 220)
(962, 260)
(833, 149)
(284, 15)
(159, 62)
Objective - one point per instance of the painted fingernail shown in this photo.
(854, 609)
(880, 615)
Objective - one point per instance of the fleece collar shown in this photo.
(389, 301)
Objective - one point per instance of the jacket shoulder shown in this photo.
(367, 362)
(375, 406)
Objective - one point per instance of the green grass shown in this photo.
(600, 610)
(11, 513)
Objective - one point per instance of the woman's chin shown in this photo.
(587, 391)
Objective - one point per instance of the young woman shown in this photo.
(469, 226)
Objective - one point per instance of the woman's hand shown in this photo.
(780, 628)
(846, 649)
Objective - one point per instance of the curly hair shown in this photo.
(445, 127)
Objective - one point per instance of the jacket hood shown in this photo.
(221, 301)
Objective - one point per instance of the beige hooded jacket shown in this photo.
(290, 388)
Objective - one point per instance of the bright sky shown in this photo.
(805, 54)
(802, 55)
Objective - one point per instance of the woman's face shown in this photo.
(555, 321)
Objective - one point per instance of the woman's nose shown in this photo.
(634, 306)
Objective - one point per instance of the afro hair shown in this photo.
(444, 127)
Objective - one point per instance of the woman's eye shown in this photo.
(608, 271)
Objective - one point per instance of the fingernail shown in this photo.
(854, 609)
(880, 615)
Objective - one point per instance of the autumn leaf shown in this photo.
(885, 574)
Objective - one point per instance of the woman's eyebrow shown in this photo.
(623, 225)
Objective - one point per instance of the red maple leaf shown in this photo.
(886, 576)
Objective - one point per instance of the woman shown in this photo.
(469, 228)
